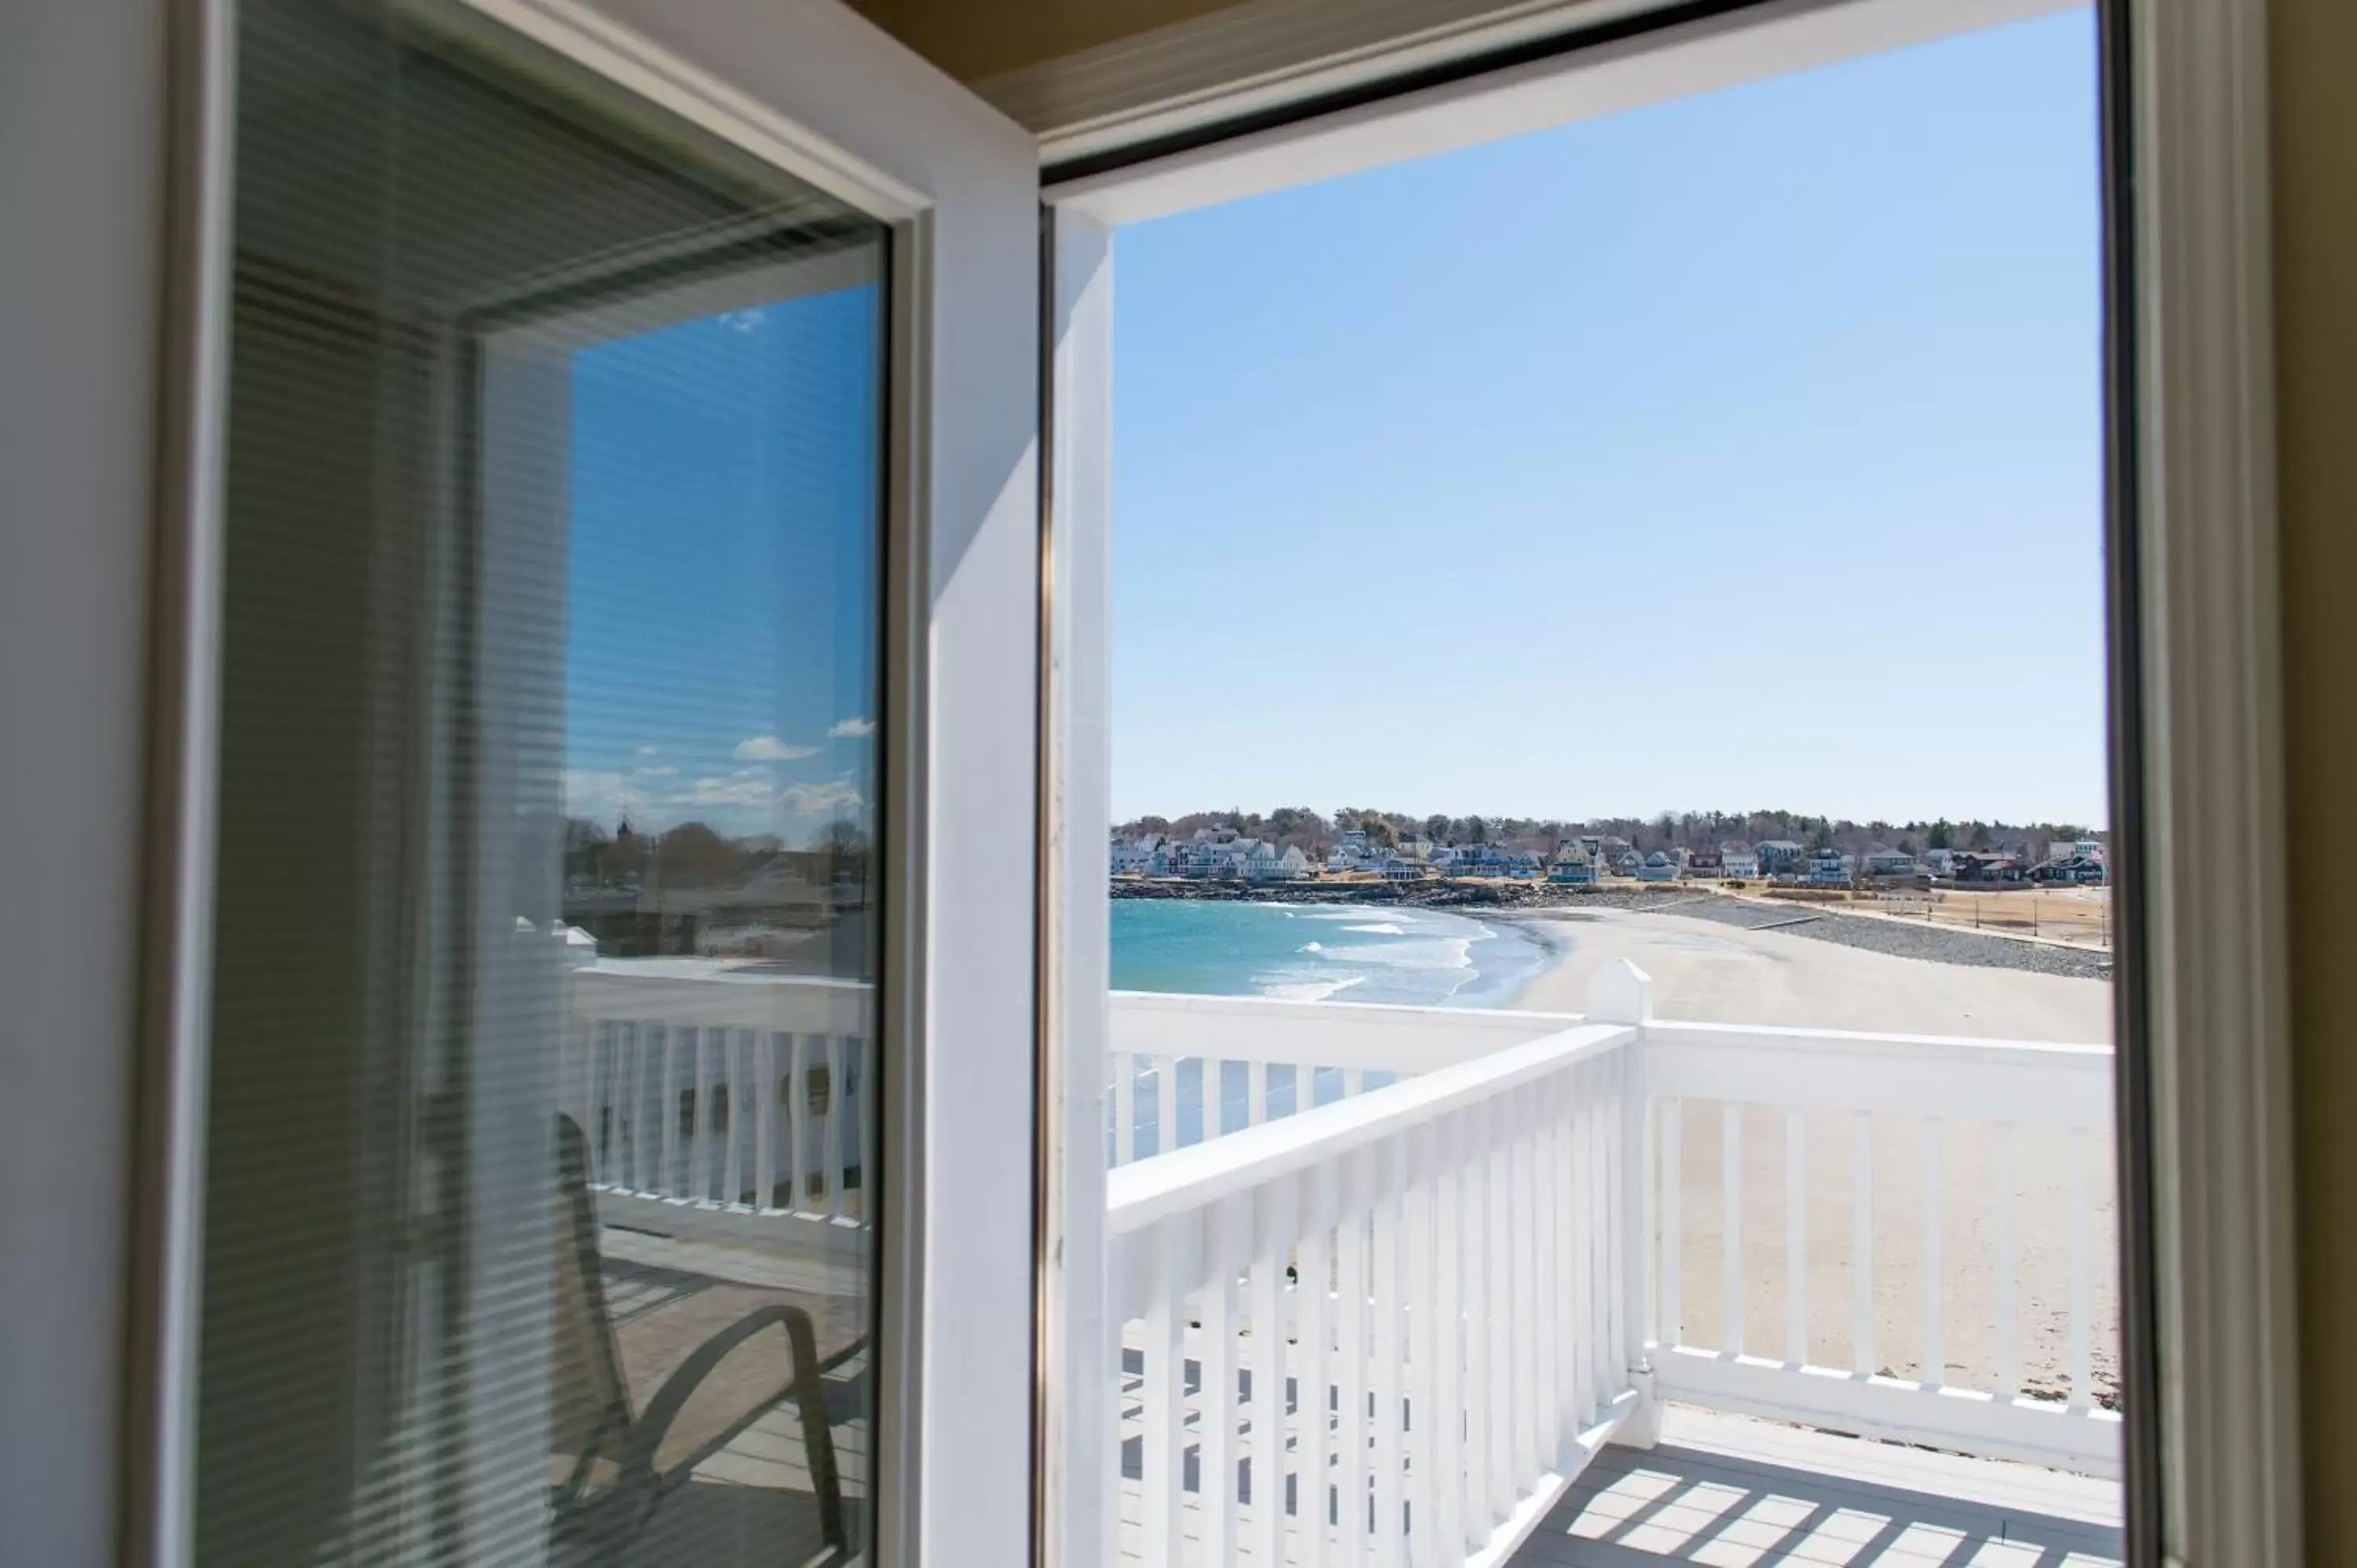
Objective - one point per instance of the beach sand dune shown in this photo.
(1714, 973)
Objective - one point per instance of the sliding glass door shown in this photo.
(542, 1130)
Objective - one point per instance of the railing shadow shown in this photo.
(1633, 1509)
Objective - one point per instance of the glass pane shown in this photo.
(544, 1058)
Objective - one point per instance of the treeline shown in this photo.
(1315, 832)
(693, 855)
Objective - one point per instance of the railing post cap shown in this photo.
(1621, 993)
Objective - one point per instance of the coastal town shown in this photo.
(1377, 850)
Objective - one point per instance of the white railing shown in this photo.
(719, 1087)
(1923, 1098)
(1409, 1314)
(1266, 1049)
(1493, 1215)
(1515, 1220)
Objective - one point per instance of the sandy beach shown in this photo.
(1717, 973)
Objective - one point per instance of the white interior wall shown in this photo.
(81, 148)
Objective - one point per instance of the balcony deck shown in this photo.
(1539, 1220)
(758, 1487)
(1731, 1492)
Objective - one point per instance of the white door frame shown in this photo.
(2206, 1107)
(811, 87)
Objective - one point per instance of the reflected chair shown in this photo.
(634, 1412)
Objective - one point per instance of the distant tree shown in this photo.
(1982, 837)
(692, 855)
(1821, 837)
(1907, 847)
(1435, 826)
(844, 850)
(1942, 834)
(1477, 831)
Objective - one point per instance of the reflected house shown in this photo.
(789, 911)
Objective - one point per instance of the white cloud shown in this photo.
(851, 729)
(601, 796)
(769, 749)
(747, 787)
(822, 800)
(651, 751)
(664, 772)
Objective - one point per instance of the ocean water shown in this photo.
(1311, 952)
(1319, 952)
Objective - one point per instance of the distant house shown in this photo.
(1706, 865)
(1402, 870)
(1352, 854)
(1880, 861)
(1141, 857)
(1992, 865)
(1779, 856)
(1740, 864)
(1215, 854)
(1627, 862)
(1574, 864)
(1267, 863)
(2070, 869)
(1829, 869)
(1657, 867)
(1485, 860)
(1939, 862)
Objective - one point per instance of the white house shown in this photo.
(1740, 864)
(1573, 865)
(1267, 863)
(1141, 857)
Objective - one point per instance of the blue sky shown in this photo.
(721, 588)
(1743, 451)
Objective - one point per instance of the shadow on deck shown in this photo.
(1730, 1493)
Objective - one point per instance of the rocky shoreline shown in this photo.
(1936, 944)
(1428, 894)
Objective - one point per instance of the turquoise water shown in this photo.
(1308, 953)
(1319, 952)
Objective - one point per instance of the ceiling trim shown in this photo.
(1263, 54)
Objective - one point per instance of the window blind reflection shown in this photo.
(545, 1062)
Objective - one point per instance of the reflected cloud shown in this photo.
(769, 749)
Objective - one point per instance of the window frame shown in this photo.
(2210, 1363)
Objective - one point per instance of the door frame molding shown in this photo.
(2202, 1003)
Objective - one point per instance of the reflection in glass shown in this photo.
(542, 1099)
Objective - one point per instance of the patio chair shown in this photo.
(634, 1412)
